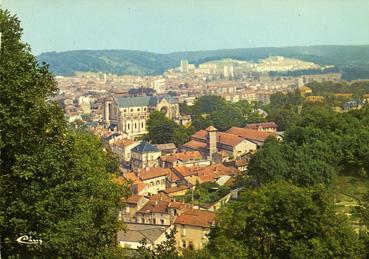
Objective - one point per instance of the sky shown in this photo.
(165, 26)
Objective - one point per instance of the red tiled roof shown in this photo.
(185, 171)
(206, 174)
(179, 205)
(155, 206)
(199, 139)
(193, 144)
(160, 196)
(250, 134)
(134, 199)
(241, 162)
(132, 177)
(173, 177)
(123, 142)
(255, 126)
(153, 172)
(228, 139)
(176, 189)
(183, 156)
(201, 134)
(198, 218)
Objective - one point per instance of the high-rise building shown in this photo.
(184, 66)
(158, 85)
(228, 71)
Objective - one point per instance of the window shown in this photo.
(162, 221)
(131, 110)
(157, 182)
(143, 220)
(142, 125)
(135, 125)
(124, 110)
(154, 221)
(151, 183)
(138, 109)
(163, 181)
(184, 243)
(128, 126)
(144, 109)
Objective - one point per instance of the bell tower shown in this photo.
(211, 140)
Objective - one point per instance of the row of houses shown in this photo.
(159, 175)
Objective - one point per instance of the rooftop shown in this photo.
(193, 144)
(198, 218)
(250, 134)
(145, 147)
(124, 142)
(155, 206)
(255, 126)
(166, 146)
(140, 101)
(138, 232)
(176, 189)
(153, 172)
(134, 199)
(182, 156)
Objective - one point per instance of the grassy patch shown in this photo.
(348, 189)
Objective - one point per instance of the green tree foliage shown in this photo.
(206, 193)
(185, 109)
(226, 116)
(281, 220)
(55, 184)
(208, 104)
(163, 130)
(214, 110)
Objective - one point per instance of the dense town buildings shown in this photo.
(161, 177)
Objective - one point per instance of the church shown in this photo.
(130, 114)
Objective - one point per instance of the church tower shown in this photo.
(211, 141)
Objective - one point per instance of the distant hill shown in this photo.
(353, 61)
(111, 61)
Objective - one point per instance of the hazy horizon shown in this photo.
(164, 26)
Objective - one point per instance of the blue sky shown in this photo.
(171, 25)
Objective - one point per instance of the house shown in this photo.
(193, 175)
(154, 212)
(187, 158)
(137, 186)
(167, 148)
(210, 141)
(193, 227)
(254, 136)
(179, 190)
(263, 126)
(133, 203)
(160, 211)
(144, 155)
(154, 178)
(132, 236)
(123, 147)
